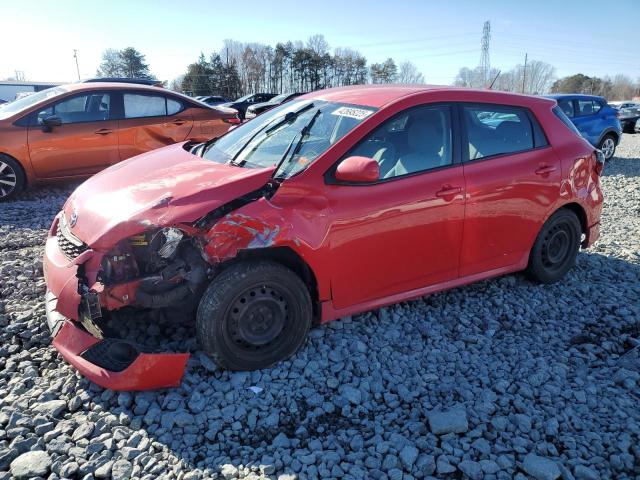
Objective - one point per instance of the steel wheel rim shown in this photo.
(257, 319)
(8, 179)
(556, 247)
(608, 147)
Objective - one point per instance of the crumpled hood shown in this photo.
(156, 189)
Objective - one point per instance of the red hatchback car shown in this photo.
(335, 203)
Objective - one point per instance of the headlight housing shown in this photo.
(139, 255)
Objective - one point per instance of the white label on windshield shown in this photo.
(357, 113)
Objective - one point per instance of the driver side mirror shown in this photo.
(358, 170)
(49, 122)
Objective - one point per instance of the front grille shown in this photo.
(71, 247)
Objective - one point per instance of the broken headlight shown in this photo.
(172, 238)
(140, 255)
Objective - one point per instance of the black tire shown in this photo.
(253, 315)
(608, 146)
(12, 178)
(556, 247)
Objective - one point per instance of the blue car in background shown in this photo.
(594, 118)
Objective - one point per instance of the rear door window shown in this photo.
(567, 107)
(497, 130)
(140, 106)
(588, 107)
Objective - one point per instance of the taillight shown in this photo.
(232, 120)
(598, 158)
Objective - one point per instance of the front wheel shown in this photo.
(12, 179)
(253, 315)
(556, 247)
(608, 146)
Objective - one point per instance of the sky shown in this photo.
(38, 37)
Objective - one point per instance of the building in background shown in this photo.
(10, 89)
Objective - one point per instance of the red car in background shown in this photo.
(335, 203)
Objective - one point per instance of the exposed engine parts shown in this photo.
(165, 264)
(185, 275)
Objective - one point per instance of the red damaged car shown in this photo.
(335, 203)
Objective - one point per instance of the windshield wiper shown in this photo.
(270, 127)
(303, 133)
(203, 147)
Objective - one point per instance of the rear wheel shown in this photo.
(608, 146)
(556, 247)
(12, 179)
(254, 315)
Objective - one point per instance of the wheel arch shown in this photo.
(580, 213)
(289, 258)
(610, 131)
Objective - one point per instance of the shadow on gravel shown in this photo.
(627, 167)
(500, 348)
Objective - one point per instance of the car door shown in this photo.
(403, 232)
(586, 119)
(84, 143)
(150, 120)
(512, 177)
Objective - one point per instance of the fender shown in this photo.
(270, 223)
(610, 130)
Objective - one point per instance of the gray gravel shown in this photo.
(502, 379)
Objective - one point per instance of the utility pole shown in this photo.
(75, 55)
(524, 73)
(485, 64)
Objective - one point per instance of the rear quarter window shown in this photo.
(564, 119)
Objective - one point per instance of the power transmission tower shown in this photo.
(485, 63)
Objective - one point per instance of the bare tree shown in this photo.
(467, 77)
(409, 73)
(539, 77)
(622, 88)
(318, 44)
(111, 65)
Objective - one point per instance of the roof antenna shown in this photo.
(494, 80)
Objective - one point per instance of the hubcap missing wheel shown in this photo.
(257, 317)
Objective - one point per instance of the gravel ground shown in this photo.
(501, 379)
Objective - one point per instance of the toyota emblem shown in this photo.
(74, 219)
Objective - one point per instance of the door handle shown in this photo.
(178, 121)
(104, 131)
(448, 191)
(545, 170)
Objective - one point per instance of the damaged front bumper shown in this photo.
(109, 362)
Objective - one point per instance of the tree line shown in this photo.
(539, 78)
(239, 68)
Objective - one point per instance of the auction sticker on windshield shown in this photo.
(351, 112)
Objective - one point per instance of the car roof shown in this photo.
(111, 85)
(558, 96)
(380, 95)
(72, 87)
